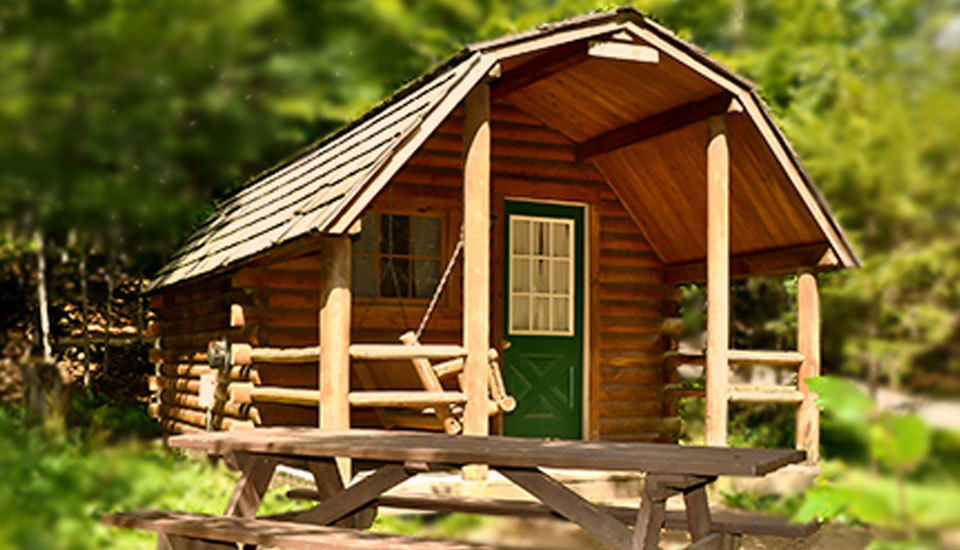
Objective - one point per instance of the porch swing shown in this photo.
(446, 416)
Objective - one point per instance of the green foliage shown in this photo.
(900, 443)
(55, 487)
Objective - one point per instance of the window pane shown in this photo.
(541, 313)
(561, 240)
(541, 276)
(561, 314)
(561, 276)
(541, 238)
(395, 277)
(364, 273)
(394, 234)
(366, 241)
(426, 274)
(521, 275)
(521, 236)
(426, 236)
(521, 312)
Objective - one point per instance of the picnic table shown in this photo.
(669, 469)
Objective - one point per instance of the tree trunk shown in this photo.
(42, 298)
(85, 308)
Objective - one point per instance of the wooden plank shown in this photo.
(476, 261)
(653, 126)
(718, 280)
(351, 499)
(765, 394)
(724, 522)
(622, 51)
(275, 534)
(769, 262)
(249, 491)
(543, 66)
(496, 450)
(808, 344)
(572, 506)
(431, 382)
(399, 352)
(697, 507)
(741, 358)
(407, 399)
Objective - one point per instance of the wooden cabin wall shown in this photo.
(188, 317)
(627, 300)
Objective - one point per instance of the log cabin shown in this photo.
(498, 247)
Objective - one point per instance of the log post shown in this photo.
(718, 280)
(476, 261)
(335, 303)
(808, 343)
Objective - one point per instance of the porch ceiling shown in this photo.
(662, 180)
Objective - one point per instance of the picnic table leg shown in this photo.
(646, 533)
(572, 506)
(327, 477)
(257, 472)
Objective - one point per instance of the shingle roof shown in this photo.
(324, 188)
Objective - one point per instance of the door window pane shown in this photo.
(541, 313)
(541, 276)
(541, 238)
(561, 314)
(561, 277)
(521, 313)
(521, 275)
(521, 236)
(561, 239)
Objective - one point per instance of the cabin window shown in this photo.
(397, 256)
(541, 276)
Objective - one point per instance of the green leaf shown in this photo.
(901, 442)
(842, 398)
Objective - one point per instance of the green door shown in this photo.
(543, 319)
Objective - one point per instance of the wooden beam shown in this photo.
(572, 506)
(335, 305)
(653, 126)
(622, 51)
(476, 262)
(814, 257)
(808, 343)
(543, 66)
(718, 279)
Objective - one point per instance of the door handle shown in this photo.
(505, 345)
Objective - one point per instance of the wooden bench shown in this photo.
(181, 531)
(734, 523)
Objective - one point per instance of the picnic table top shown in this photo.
(497, 451)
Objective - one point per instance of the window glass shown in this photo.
(395, 277)
(394, 234)
(426, 275)
(541, 275)
(397, 255)
(366, 242)
(425, 234)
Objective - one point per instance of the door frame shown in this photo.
(587, 309)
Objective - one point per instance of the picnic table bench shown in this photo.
(669, 469)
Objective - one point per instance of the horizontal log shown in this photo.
(626, 392)
(740, 358)
(631, 359)
(630, 408)
(370, 352)
(624, 292)
(621, 375)
(415, 420)
(641, 424)
(631, 324)
(765, 394)
(614, 257)
(630, 342)
(277, 278)
(449, 368)
(635, 275)
(159, 355)
(623, 241)
(406, 399)
(501, 129)
(512, 166)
